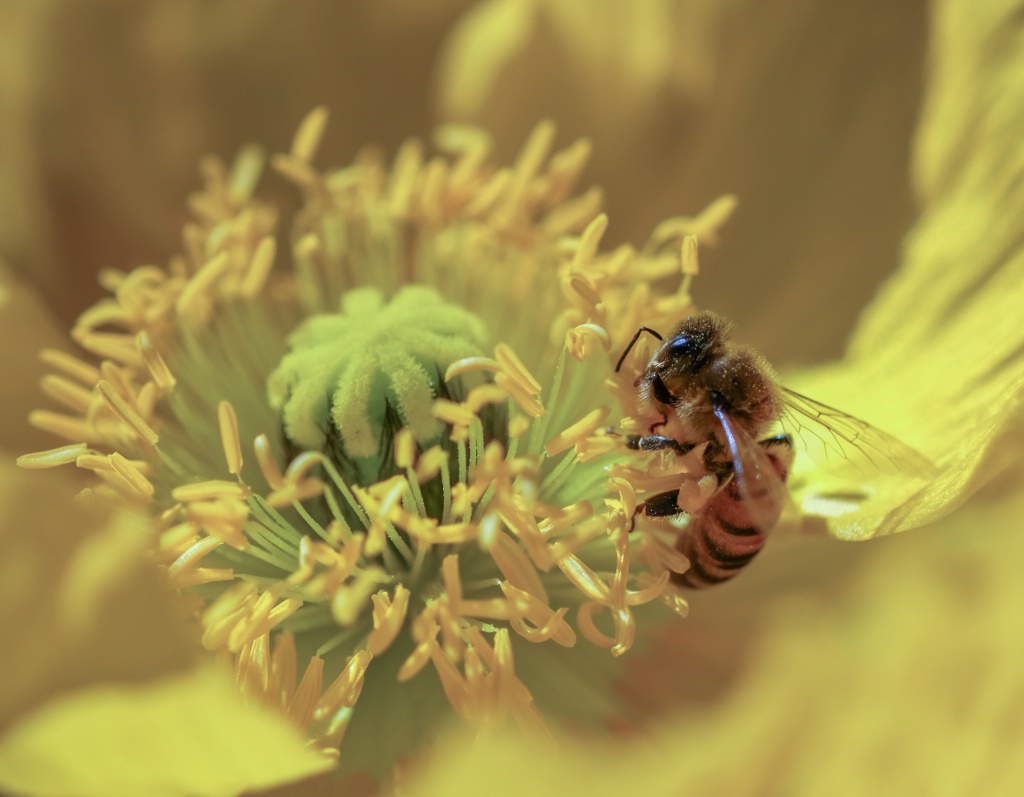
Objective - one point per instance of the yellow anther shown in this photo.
(295, 493)
(259, 267)
(540, 615)
(468, 364)
(405, 448)
(573, 434)
(155, 363)
(53, 458)
(195, 301)
(69, 393)
(453, 413)
(589, 242)
(210, 491)
(578, 338)
(230, 442)
(404, 176)
(268, 463)
(223, 518)
(303, 703)
(110, 345)
(388, 617)
(513, 366)
(482, 395)
(70, 365)
(430, 463)
(516, 566)
(691, 266)
(585, 579)
(308, 136)
(518, 426)
(346, 687)
(132, 476)
(126, 414)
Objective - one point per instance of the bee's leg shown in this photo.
(780, 451)
(661, 505)
(656, 442)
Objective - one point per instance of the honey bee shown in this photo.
(703, 390)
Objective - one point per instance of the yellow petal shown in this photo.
(79, 603)
(491, 34)
(188, 735)
(26, 326)
(937, 357)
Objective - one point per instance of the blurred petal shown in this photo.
(79, 604)
(939, 356)
(190, 735)
(27, 326)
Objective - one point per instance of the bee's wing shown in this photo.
(759, 484)
(841, 443)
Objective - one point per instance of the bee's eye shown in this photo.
(683, 347)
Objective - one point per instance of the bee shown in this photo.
(703, 390)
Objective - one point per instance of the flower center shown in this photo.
(380, 493)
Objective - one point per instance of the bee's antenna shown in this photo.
(632, 343)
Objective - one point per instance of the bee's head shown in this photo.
(683, 358)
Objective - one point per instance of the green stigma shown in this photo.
(351, 379)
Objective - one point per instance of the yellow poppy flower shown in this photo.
(363, 562)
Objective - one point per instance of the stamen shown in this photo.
(540, 614)
(408, 163)
(68, 393)
(468, 364)
(71, 365)
(589, 242)
(262, 262)
(513, 367)
(195, 302)
(112, 346)
(303, 703)
(155, 363)
(516, 567)
(132, 476)
(585, 579)
(52, 458)
(388, 617)
(309, 135)
(346, 687)
(126, 414)
(577, 339)
(227, 421)
(222, 518)
(185, 570)
(268, 464)
(66, 426)
(573, 434)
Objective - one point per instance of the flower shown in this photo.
(972, 453)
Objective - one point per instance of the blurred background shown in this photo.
(802, 108)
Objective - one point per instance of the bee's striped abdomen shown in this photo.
(723, 538)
